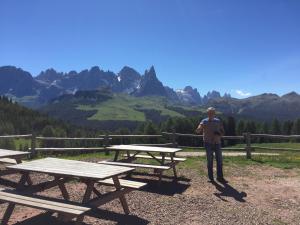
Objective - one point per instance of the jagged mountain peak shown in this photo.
(127, 71)
(189, 95)
(292, 94)
(49, 76)
(95, 69)
(150, 74)
(150, 85)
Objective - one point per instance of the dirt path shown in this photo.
(254, 195)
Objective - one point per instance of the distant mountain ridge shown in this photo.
(50, 84)
(40, 90)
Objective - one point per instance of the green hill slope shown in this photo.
(108, 111)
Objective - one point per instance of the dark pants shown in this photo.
(210, 150)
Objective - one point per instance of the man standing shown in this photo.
(212, 129)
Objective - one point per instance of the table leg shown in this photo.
(86, 198)
(11, 206)
(122, 197)
(173, 163)
(62, 188)
(116, 155)
(18, 160)
(162, 163)
(97, 192)
(7, 214)
(24, 178)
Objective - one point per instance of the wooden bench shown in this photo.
(141, 156)
(124, 183)
(8, 161)
(15, 198)
(136, 165)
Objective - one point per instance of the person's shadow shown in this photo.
(228, 191)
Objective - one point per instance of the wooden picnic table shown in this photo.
(63, 170)
(166, 157)
(10, 154)
(10, 157)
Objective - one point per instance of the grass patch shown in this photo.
(123, 107)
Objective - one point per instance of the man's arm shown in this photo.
(222, 131)
(199, 129)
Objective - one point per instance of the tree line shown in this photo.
(16, 119)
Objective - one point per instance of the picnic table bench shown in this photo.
(164, 156)
(10, 157)
(92, 174)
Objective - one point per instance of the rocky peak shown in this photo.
(291, 95)
(150, 85)
(49, 76)
(95, 70)
(128, 74)
(189, 95)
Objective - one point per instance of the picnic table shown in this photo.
(63, 171)
(166, 157)
(11, 157)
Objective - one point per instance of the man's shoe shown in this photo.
(211, 180)
(222, 180)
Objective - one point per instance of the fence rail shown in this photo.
(67, 138)
(201, 136)
(171, 136)
(17, 136)
(276, 136)
(131, 136)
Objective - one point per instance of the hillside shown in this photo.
(265, 107)
(16, 119)
(106, 110)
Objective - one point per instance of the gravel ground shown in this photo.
(254, 195)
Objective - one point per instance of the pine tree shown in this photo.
(230, 131)
(276, 127)
(287, 127)
(296, 127)
(240, 127)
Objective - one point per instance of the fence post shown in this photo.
(33, 145)
(174, 143)
(248, 145)
(106, 143)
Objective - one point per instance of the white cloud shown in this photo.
(242, 93)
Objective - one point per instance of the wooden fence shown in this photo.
(172, 137)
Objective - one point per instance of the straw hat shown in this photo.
(211, 109)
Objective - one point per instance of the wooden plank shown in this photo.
(68, 138)
(132, 135)
(134, 165)
(276, 136)
(158, 157)
(71, 168)
(122, 196)
(68, 149)
(16, 136)
(143, 148)
(107, 197)
(124, 183)
(157, 145)
(4, 153)
(8, 161)
(201, 136)
(36, 202)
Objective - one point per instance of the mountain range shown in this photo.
(37, 91)
(47, 88)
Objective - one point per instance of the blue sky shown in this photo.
(236, 46)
